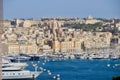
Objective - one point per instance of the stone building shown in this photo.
(22, 48)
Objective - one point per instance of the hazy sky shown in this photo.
(61, 8)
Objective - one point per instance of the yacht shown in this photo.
(9, 68)
(18, 58)
(11, 74)
(14, 71)
(7, 63)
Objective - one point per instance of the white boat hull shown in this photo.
(19, 75)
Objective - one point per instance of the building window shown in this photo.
(18, 73)
(2, 73)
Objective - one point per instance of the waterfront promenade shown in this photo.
(90, 54)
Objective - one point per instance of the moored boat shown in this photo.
(19, 75)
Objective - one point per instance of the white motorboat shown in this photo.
(6, 68)
(13, 71)
(19, 74)
(6, 62)
(20, 59)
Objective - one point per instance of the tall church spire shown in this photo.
(54, 27)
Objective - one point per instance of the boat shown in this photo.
(34, 57)
(19, 74)
(31, 57)
(19, 58)
(5, 68)
(18, 65)
(12, 72)
(7, 63)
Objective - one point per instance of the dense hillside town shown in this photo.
(59, 34)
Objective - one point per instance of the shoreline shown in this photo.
(99, 54)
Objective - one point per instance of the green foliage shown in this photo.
(85, 27)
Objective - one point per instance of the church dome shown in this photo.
(89, 17)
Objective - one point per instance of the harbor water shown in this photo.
(77, 69)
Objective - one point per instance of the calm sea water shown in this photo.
(79, 69)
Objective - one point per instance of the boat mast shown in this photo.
(1, 26)
(19, 43)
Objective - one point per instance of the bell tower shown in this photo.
(55, 44)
